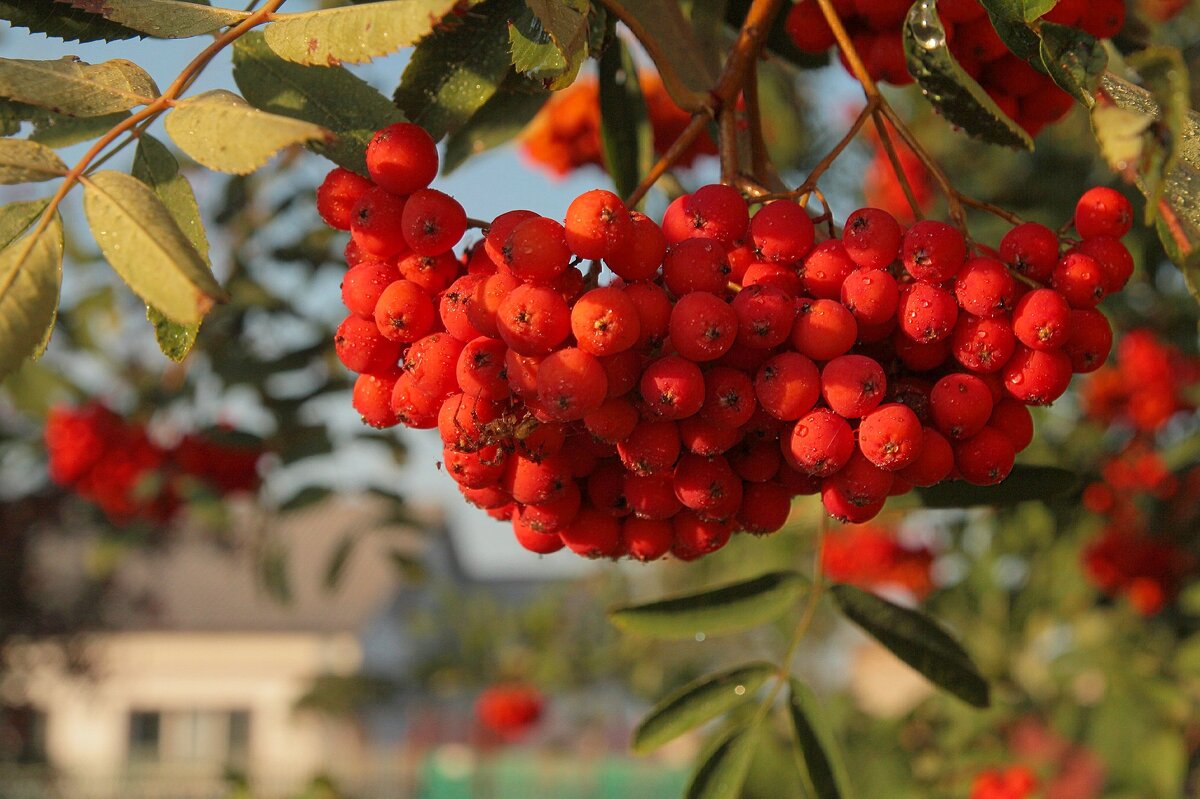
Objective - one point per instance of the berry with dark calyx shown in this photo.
(1102, 211)
(927, 313)
(782, 231)
(536, 251)
(890, 436)
(413, 407)
(765, 315)
(533, 541)
(695, 264)
(434, 273)
(788, 386)
(485, 301)
(853, 385)
(338, 194)
(820, 443)
(856, 492)
(597, 224)
(606, 488)
(362, 348)
(638, 256)
(499, 231)
(934, 252)
(605, 321)
(533, 320)
(702, 327)
(652, 447)
(481, 371)
(1032, 250)
(708, 486)
(1037, 377)
(1089, 342)
(432, 222)
(871, 295)
(982, 345)
(1112, 256)
(695, 536)
(1080, 279)
(824, 329)
(555, 514)
(1042, 320)
(454, 307)
(571, 383)
(673, 387)
(402, 158)
(404, 312)
(363, 284)
(530, 482)
(652, 496)
(960, 405)
(729, 399)
(433, 362)
(872, 238)
(986, 458)
(375, 223)
(985, 288)
(717, 212)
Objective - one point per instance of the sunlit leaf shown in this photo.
(729, 608)
(917, 640)
(77, 88)
(30, 277)
(503, 116)
(1074, 59)
(154, 165)
(141, 241)
(354, 33)
(15, 219)
(224, 132)
(948, 87)
(722, 773)
(166, 19)
(698, 702)
(62, 21)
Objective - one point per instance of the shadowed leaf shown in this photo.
(698, 702)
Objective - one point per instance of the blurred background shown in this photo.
(247, 593)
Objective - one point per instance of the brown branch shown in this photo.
(670, 157)
(728, 142)
(885, 141)
(760, 159)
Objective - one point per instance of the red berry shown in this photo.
(485, 301)
(765, 508)
(872, 238)
(606, 488)
(805, 25)
(871, 295)
(1037, 377)
(985, 288)
(536, 251)
(613, 421)
(432, 362)
(824, 329)
(605, 321)
(431, 272)
(373, 399)
(926, 312)
(530, 482)
(1032, 250)
(934, 252)
(819, 444)
(652, 496)
(463, 422)
(765, 316)
(454, 307)
(363, 284)
(499, 231)
(708, 486)
(1012, 418)
(960, 404)
(788, 386)
(402, 158)
(1079, 279)
(404, 312)
(853, 385)
(982, 345)
(1089, 342)
(1102, 211)
(986, 458)
(890, 436)
(646, 539)
(826, 268)
(1114, 259)
(638, 256)
(623, 371)
(571, 383)
(414, 408)
(857, 491)
(755, 461)
(475, 469)
(933, 464)
(703, 326)
(920, 356)
(728, 397)
(702, 437)
(555, 514)
(432, 222)
(782, 231)
(653, 308)
(535, 542)
(362, 348)
(696, 536)
(651, 448)
(338, 194)
(480, 369)
(1042, 320)
(597, 224)
(375, 224)
(696, 264)
(593, 534)
(533, 320)
(717, 212)
(673, 387)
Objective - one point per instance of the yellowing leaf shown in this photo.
(154, 165)
(147, 249)
(169, 19)
(30, 276)
(224, 132)
(76, 88)
(27, 162)
(354, 33)
(698, 702)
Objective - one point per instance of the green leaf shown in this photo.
(533, 52)
(722, 773)
(1023, 484)
(15, 219)
(62, 22)
(141, 241)
(625, 134)
(698, 702)
(76, 88)
(1075, 60)
(174, 340)
(503, 116)
(224, 132)
(331, 97)
(30, 277)
(1011, 20)
(457, 69)
(1164, 74)
(167, 19)
(549, 39)
(24, 161)
(356, 33)
(59, 130)
(154, 165)
(729, 608)
(917, 640)
(338, 560)
(951, 91)
(688, 73)
(1130, 124)
(822, 755)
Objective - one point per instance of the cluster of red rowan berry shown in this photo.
(873, 557)
(1028, 97)
(1013, 782)
(565, 135)
(730, 363)
(115, 464)
(509, 710)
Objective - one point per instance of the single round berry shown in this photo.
(826, 268)
(920, 356)
(986, 458)
(982, 345)
(362, 348)
(927, 313)
(717, 212)
(1102, 211)
(1037, 377)
(613, 421)
(455, 304)
(413, 407)
(651, 448)
(782, 231)
(338, 194)
(638, 256)
(533, 541)
(765, 315)
(652, 496)
(729, 399)
(1012, 418)
(375, 223)
(1080, 279)
(702, 327)
(653, 308)
(755, 461)
(805, 25)
(824, 329)
(673, 387)
(536, 251)
(402, 158)
(597, 224)
(571, 383)
(708, 486)
(432, 222)
(857, 490)
(480, 369)
(531, 482)
(364, 283)
(696, 265)
(765, 508)
(701, 437)
(890, 436)
(985, 288)
(533, 320)
(1032, 250)
(871, 238)
(1089, 342)
(605, 321)
(1042, 320)
(934, 252)
(819, 444)
(433, 362)
(434, 273)
(853, 385)
(871, 295)
(555, 514)
(788, 386)
(646, 539)
(960, 405)
(1113, 257)
(933, 464)
(373, 399)
(593, 534)
(404, 312)
(696, 536)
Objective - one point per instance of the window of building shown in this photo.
(189, 736)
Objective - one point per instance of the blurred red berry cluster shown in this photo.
(1014, 782)
(565, 135)
(509, 710)
(873, 557)
(1146, 386)
(115, 464)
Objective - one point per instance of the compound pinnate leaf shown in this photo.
(948, 87)
(917, 640)
(458, 68)
(354, 34)
(224, 132)
(142, 243)
(76, 88)
(722, 773)
(698, 702)
(167, 19)
(63, 22)
(823, 763)
(30, 277)
(24, 161)
(1023, 484)
(331, 97)
(625, 133)
(727, 609)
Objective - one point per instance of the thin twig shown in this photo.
(885, 141)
